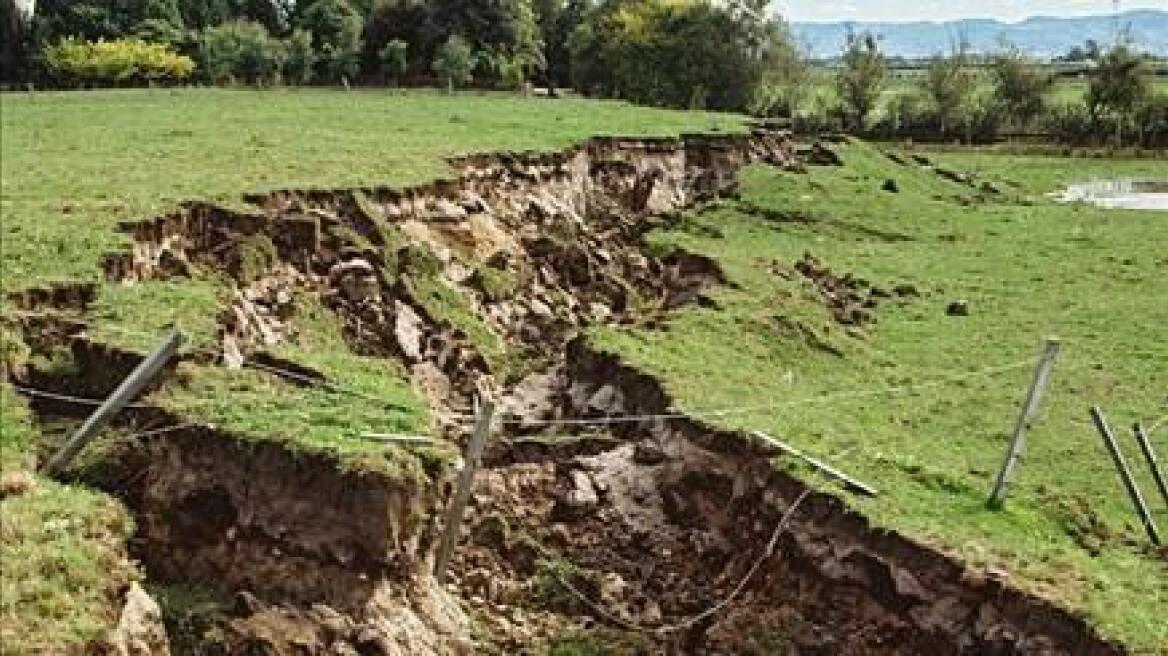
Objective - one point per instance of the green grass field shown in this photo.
(77, 164)
(1030, 268)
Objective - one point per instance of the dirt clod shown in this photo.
(958, 308)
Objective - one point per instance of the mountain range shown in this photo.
(1042, 36)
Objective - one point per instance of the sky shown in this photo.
(941, 10)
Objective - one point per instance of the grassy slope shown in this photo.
(75, 164)
(1030, 268)
(62, 553)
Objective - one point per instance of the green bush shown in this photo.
(1152, 119)
(241, 51)
(126, 61)
(1071, 123)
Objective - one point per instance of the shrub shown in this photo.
(1152, 119)
(127, 61)
(241, 51)
(1071, 123)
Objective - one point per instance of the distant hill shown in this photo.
(1043, 36)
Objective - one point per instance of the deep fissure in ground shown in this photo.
(483, 285)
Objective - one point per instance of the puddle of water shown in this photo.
(1131, 194)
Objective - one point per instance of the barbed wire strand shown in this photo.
(162, 431)
(726, 412)
(769, 551)
(247, 362)
(607, 420)
(68, 398)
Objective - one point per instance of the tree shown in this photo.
(861, 79)
(506, 29)
(395, 60)
(396, 20)
(557, 21)
(240, 51)
(336, 27)
(300, 58)
(668, 53)
(15, 42)
(785, 83)
(949, 84)
(455, 62)
(1119, 85)
(1020, 85)
(93, 20)
(199, 15)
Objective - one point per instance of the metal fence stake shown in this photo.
(1029, 413)
(1153, 463)
(474, 453)
(1125, 474)
(119, 399)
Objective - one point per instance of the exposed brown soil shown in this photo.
(653, 521)
(665, 524)
(852, 301)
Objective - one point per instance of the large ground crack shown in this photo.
(484, 284)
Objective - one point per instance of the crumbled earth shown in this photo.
(852, 301)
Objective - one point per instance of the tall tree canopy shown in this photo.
(336, 27)
(15, 41)
(90, 20)
(689, 54)
(497, 28)
(202, 14)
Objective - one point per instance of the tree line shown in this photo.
(682, 53)
(686, 54)
(960, 97)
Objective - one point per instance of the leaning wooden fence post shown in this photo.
(1029, 413)
(119, 399)
(1125, 474)
(1153, 463)
(474, 453)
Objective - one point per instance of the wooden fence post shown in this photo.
(1133, 490)
(1029, 413)
(119, 399)
(1153, 463)
(470, 464)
